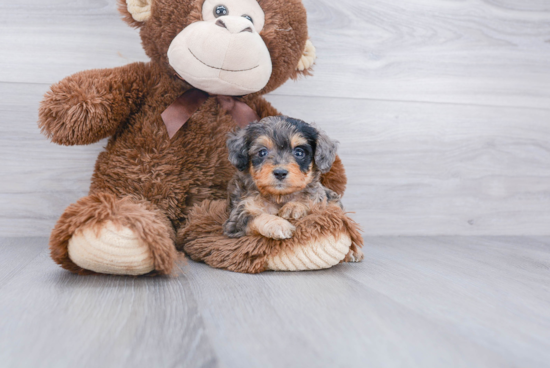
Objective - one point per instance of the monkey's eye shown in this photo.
(299, 152)
(220, 11)
(248, 17)
(262, 152)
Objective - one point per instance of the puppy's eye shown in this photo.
(299, 152)
(220, 11)
(248, 17)
(262, 152)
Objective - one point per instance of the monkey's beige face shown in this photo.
(281, 165)
(224, 53)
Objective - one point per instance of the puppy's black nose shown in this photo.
(280, 174)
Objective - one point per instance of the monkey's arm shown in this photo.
(89, 106)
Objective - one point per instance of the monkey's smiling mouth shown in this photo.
(225, 70)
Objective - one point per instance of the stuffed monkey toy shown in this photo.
(156, 187)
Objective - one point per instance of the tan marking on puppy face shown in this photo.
(263, 177)
(298, 179)
(295, 181)
(263, 141)
(297, 140)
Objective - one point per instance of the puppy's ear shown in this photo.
(325, 152)
(238, 150)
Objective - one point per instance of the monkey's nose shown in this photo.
(234, 24)
(280, 174)
(221, 23)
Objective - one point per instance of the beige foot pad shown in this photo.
(321, 254)
(111, 250)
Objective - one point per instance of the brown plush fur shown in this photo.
(203, 238)
(165, 177)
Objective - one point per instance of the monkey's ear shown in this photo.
(307, 60)
(238, 152)
(135, 12)
(325, 152)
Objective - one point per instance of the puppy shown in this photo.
(279, 161)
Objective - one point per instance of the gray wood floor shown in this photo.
(442, 109)
(414, 302)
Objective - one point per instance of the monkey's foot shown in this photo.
(315, 255)
(111, 249)
(104, 234)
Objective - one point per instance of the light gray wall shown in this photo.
(442, 109)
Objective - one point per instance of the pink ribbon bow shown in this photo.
(177, 114)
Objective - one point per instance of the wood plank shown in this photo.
(475, 52)
(491, 290)
(480, 52)
(16, 255)
(47, 41)
(50, 317)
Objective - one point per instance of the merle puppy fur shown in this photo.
(280, 161)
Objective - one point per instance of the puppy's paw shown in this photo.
(277, 228)
(293, 211)
(284, 230)
(354, 255)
